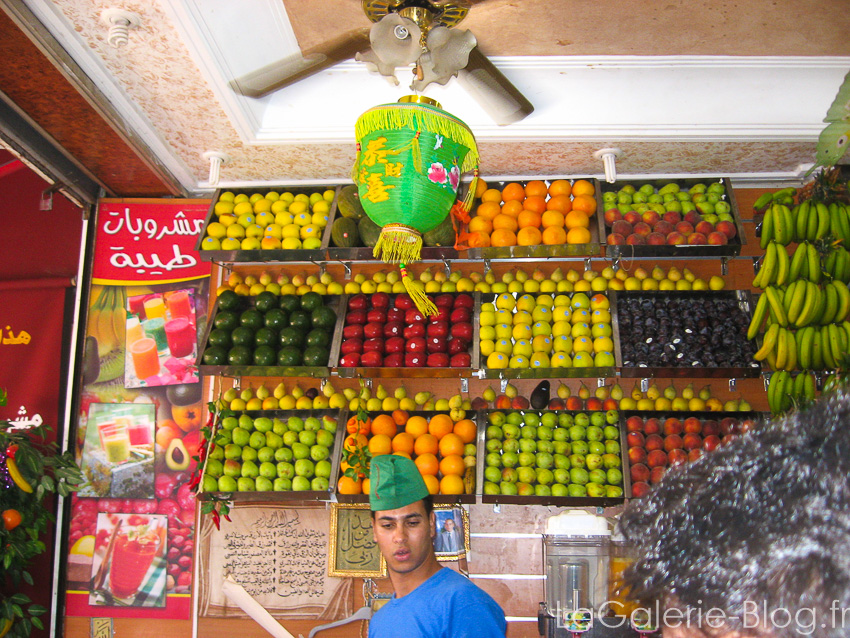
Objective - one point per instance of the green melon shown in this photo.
(442, 235)
(344, 233)
(349, 204)
(369, 231)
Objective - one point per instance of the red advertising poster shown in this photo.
(31, 348)
(139, 420)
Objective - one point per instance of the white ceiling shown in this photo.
(742, 115)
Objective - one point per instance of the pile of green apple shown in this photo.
(546, 453)
(265, 454)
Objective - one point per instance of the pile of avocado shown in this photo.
(270, 330)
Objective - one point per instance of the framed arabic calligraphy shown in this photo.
(352, 551)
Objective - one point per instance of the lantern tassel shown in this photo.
(421, 300)
(398, 243)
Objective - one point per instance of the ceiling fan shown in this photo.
(404, 33)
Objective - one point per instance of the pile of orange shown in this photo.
(438, 446)
(533, 214)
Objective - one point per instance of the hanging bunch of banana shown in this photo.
(107, 324)
(785, 390)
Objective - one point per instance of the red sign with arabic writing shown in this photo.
(151, 241)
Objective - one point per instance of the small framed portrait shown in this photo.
(353, 551)
(451, 541)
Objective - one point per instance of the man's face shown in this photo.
(404, 536)
(449, 525)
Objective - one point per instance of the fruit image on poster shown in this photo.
(130, 570)
(161, 339)
(118, 451)
(144, 251)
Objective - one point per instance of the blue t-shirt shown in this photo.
(447, 605)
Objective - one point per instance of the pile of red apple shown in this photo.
(656, 444)
(670, 229)
(388, 331)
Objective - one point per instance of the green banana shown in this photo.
(766, 229)
(823, 220)
(799, 381)
(797, 292)
(817, 350)
(843, 300)
(831, 308)
(780, 230)
(813, 264)
(761, 204)
(826, 349)
(802, 221)
(809, 387)
(812, 223)
(835, 344)
(805, 341)
(797, 262)
(784, 193)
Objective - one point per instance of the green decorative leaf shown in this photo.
(27, 577)
(16, 609)
(37, 610)
(36, 622)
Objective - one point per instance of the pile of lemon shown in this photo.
(269, 221)
(564, 331)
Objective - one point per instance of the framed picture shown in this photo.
(353, 551)
(452, 539)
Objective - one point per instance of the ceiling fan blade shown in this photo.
(289, 70)
(501, 99)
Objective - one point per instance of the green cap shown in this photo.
(394, 482)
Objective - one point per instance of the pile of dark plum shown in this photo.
(683, 331)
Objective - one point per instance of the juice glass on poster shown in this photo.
(181, 336)
(116, 443)
(134, 330)
(179, 305)
(155, 308)
(145, 358)
(140, 431)
(104, 423)
(155, 329)
(137, 307)
(132, 556)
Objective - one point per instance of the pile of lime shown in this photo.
(270, 330)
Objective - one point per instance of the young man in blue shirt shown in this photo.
(430, 600)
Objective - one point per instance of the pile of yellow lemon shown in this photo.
(268, 221)
(564, 331)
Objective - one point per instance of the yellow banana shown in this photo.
(783, 265)
(767, 231)
(826, 349)
(810, 305)
(781, 349)
(16, 475)
(817, 350)
(777, 311)
(792, 354)
(119, 315)
(769, 343)
(759, 313)
(835, 344)
(831, 307)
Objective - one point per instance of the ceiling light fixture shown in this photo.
(119, 22)
(608, 157)
(216, 159)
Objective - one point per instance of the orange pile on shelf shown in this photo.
(441, 448)
(533, 214)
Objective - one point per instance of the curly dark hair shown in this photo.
(758, 530)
